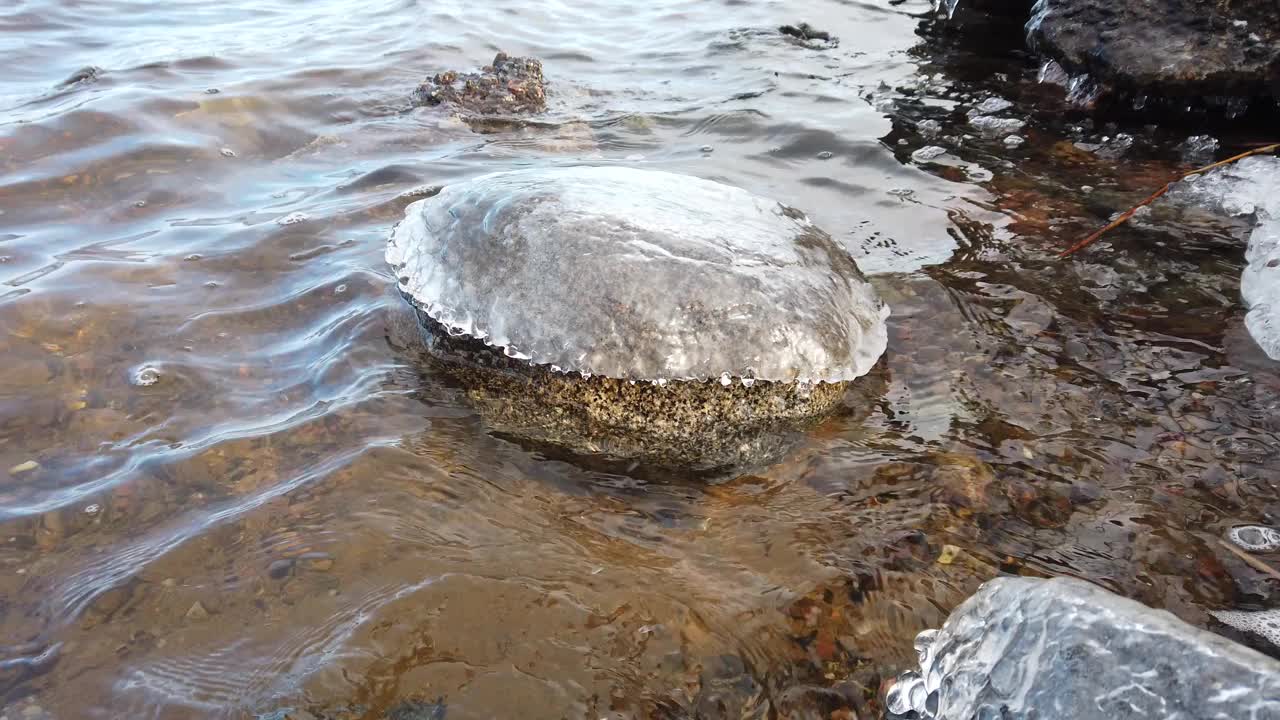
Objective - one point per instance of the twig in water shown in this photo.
(1253, 562)
(1124, 217)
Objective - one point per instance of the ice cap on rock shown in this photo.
(638, 274)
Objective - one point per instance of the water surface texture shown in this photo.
(230, 486)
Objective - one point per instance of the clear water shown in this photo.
(229, 485)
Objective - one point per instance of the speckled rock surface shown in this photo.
(702, 425)
(1024, 648)
(507, 86)
(1166, 47)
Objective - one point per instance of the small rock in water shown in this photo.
(929, 128)
(228, 152)
(1014, 141)
(291, 219)
(319, 561)
(1199, 149)
(928, 153)
(85, 74)
(146, 376)
(977, 173)
(994, 127)
(707, 149)
(810, 36)
(1255, 538)
(508, 85)
(25, 467)
(197, 612)
(825, 155)
(280, 569)
(990, 106)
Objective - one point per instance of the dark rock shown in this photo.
(280, 569)
(1183, 48)
(810, 36)
(84, 74)
(509, 86)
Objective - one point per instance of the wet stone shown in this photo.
(321, 562)
(280, 569)
(197, 612)
(809, 36)
(24, 467)
(507, 86)
(1186, 48)
(637, 314)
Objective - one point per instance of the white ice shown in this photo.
(638, 274)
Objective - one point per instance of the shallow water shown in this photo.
(233, 486)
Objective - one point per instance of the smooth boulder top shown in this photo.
(638, 274)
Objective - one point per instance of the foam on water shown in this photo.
(1250, 188)
(638, 274)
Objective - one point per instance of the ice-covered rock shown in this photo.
(638, 274)
(996, 127)
(928, 153)
(1251, 188)
(1024, 648)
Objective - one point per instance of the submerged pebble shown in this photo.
(25, 467)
